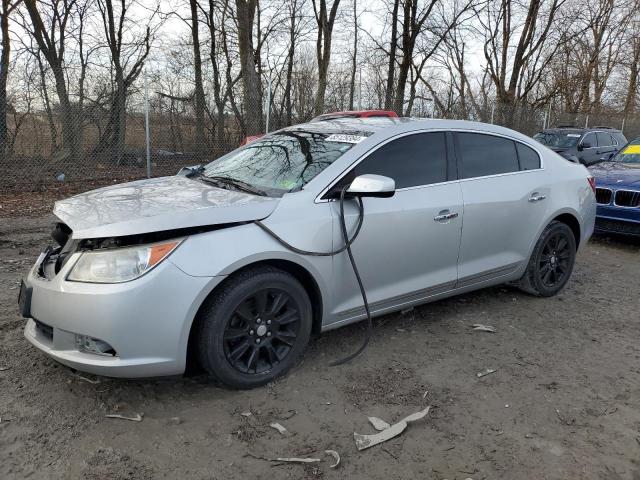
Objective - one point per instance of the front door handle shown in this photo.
(536, 197)
(445, 215)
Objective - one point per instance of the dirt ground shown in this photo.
(564, 401)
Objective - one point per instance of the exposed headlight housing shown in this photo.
(119, 265)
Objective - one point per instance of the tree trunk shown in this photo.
(323, 48)
(388, 99)
(632, 86)
(290, 58)
(252, 91)
(199, 99)
(354, 59)
(4, 72)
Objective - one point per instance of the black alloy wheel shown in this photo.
(262, 331)
(551, 261)
(253, 327)
(554, 262)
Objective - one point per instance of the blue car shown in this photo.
(618, 192)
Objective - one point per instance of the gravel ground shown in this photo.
(563, 403)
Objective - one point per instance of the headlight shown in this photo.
(120, 264)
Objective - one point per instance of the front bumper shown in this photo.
(146, 321)
(618, 220)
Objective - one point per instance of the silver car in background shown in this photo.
(147, 273)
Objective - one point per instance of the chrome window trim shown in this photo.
(364, 156)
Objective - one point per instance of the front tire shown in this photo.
(551, 262)
(254, 328)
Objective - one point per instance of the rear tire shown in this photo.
(551, 261)
(254, 328)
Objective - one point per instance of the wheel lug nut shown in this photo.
(257, 340)
(268, 334)
(268, 322)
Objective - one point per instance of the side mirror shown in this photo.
(370, 185)
(584, 145)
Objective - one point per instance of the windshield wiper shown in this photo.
(238, 184)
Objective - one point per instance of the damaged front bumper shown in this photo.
(134, 329)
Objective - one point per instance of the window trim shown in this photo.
(515, 141)
(452, 159)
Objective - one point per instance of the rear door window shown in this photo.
(483, 155)
(604, 139)
(412, 160)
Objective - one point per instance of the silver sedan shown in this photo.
(236, 263)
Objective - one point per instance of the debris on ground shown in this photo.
(486, 372)
(136, 418)
(366, 441)
(285, 459)
(424, 395)
(246, 414)
(484, 328)
(378, 423)
(4, 369)
(88, 380)
(279, 428)
(336, 457)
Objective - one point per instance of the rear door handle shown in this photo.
(445, 215)
(536, 197)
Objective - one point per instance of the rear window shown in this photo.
(558, 139)
(484, 155)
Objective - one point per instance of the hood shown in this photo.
(158, 204)
(617, 174)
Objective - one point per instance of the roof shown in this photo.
(389, 126)
(579, 129)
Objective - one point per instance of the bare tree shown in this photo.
(354, 55)
(509, 47)
(325, 20)
(127, 54)
(51, 41)
(199, 99)
(8, 6)
(252, 89)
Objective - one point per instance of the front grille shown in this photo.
(603, 196)
(627, 198)
(617, 226)
(45, 330)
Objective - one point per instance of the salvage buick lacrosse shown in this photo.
(236, 263)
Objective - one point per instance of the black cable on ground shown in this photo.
(347, 246)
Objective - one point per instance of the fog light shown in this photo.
(96, 346)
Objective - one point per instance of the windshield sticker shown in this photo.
(343, 138)
(574, 135)
(632, 149)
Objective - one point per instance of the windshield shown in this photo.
(284, 161)
(629, 154)
(557, 139)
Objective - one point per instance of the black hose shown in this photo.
(347, 246)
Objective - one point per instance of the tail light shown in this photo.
(592, 183)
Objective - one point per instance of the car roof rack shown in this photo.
(604, 127)
(567, 126)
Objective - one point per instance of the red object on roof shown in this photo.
(251, 138)
(356, 114)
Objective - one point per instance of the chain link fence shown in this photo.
(157, 134)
